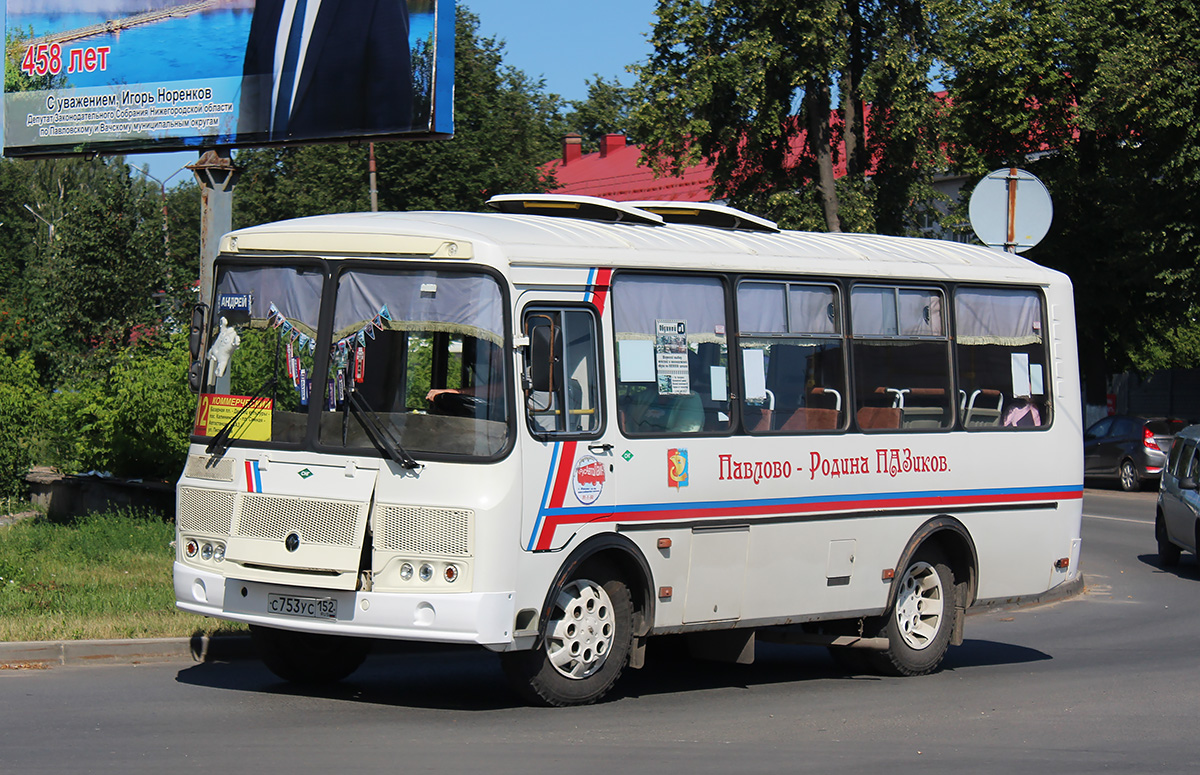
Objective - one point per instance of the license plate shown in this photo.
(293, 605)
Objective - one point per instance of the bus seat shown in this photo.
(758, 419)
(979, 411)
(808, 418)
(872, 417)
(923, 408)
(826, 394)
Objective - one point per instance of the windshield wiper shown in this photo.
(220, 442)
(379, 432)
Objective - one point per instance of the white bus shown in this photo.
(559, 429)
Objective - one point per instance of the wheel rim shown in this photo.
(920, 605)
(580, 638)
(1128, 477)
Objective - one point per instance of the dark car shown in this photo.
(1132, 450)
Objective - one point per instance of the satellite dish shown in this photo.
(1010, 209)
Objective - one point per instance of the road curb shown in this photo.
(225, 648)
(198, 648)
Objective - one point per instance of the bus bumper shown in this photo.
(482, 618)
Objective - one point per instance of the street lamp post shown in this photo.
(162, 191)
(50, 225)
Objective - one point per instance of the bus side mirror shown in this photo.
(196, 333)
(541, 358)
(195, 340)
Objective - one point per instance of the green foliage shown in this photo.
(104, 575)
(748, 87)
(21, 401)
(605, 111)
(1099, 101)
(128, 411)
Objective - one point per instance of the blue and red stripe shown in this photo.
(550, 519)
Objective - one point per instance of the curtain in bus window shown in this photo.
(812, 309)
(761, 308)
(873, 311)
(998, 316)
(643, 300)
(470, 305)
(295, 292)
(896, 312)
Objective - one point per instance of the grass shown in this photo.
(105, 575)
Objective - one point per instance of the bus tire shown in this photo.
(585, 645)
(1168, 553)
(308, 658)
(922, 618)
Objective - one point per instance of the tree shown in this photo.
(1100, 101)
(506, 126)
(605, 111)
(749, 87)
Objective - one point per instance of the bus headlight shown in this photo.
(219, 552)
(406, 571)
(426, 572)
(206, 552)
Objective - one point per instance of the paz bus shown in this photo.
(562, 428)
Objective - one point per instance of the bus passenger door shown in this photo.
(567, 463)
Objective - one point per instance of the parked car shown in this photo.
(1132, 450)
(1177, 521)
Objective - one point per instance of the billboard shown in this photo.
(115, 76)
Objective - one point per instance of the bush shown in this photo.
(130, 412)
(21, 402)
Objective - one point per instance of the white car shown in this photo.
(1177, 523)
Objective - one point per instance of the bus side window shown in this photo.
(672, 354)
(790, 340)
(901, 358)
(562, 383)
(1002, 375)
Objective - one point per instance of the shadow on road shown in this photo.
(470, 678)
(1188, 568)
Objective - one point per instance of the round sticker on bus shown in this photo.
(588, 481)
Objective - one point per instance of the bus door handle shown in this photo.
(597, 448)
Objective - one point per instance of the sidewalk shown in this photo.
(223, 648)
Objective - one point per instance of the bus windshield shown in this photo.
(421, 351)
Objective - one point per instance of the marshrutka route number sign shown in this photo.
(1011, 210)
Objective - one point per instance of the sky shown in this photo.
(565, 42)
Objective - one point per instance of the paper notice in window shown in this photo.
(671, 357)
(1036, 385)
(720, 390)
(755, 376)
(635, 360)
(1020, 375)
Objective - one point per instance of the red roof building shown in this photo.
(614, 173)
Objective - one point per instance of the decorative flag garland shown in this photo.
(348, 356)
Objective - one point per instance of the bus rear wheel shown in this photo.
(308, 658)
(919, 626)
(584, 648)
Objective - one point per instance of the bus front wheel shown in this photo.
(921, 622)
(585, 646)
(307, 658)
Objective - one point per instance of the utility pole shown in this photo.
(217, 176)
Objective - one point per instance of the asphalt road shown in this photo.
(1100, 682)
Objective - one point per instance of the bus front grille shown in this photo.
(273, 517)
(205, 511)
(424, 530)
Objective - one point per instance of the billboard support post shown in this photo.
(217, 175)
